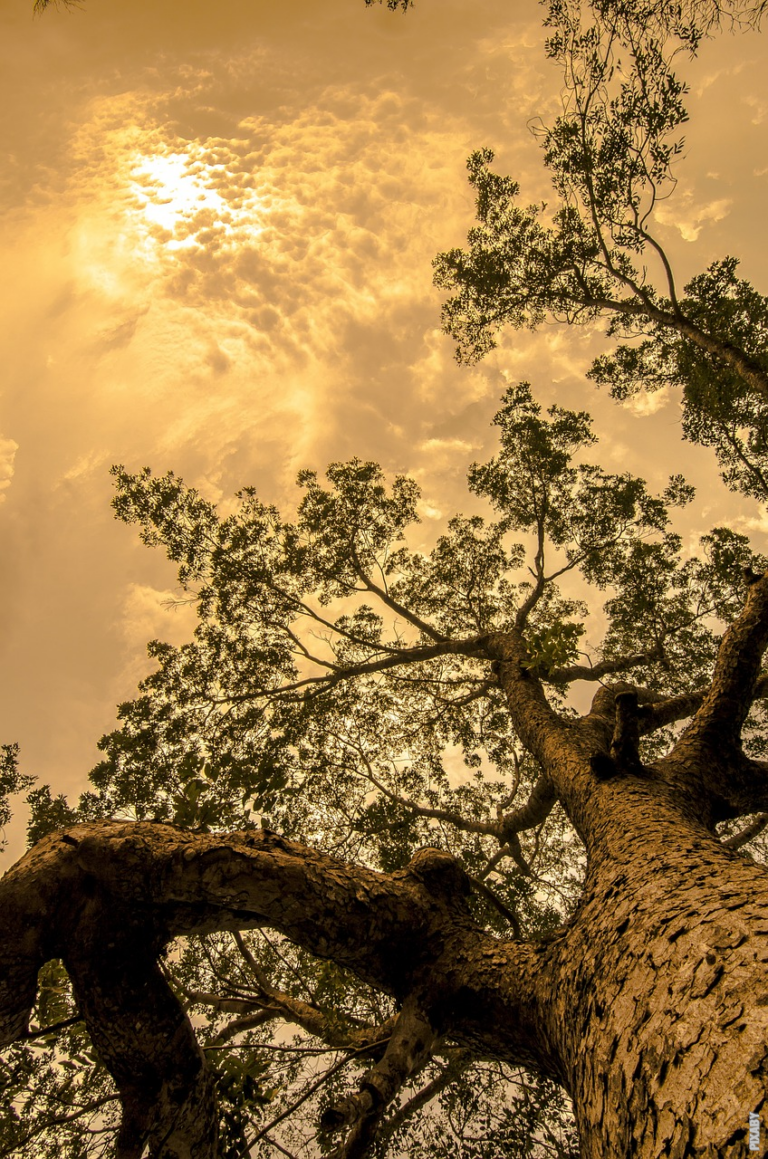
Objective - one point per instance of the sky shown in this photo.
(217, 223)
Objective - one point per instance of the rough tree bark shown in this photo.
(650, 1005)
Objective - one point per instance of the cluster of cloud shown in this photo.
(8, 449)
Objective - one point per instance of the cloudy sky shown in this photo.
(217, 227)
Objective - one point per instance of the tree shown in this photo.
(611, 156)
(658, 973)
(361, 802)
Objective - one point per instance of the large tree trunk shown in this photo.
(660, 1004)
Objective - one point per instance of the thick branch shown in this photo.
(603, 668)
(660, 711)
(105, 897)
(457, 1065)
(312, 686)
(719, 720)
(707, 765)
(749, 371)
(534, 812)
(552, 740)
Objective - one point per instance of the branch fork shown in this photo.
(410, 1047)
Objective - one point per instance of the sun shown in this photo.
(176, 195)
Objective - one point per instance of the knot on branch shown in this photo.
(623, 755)
(626, 732)
(347, 1111)
(439, 872)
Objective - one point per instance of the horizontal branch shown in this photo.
(659, 711)
(107, 896)
(312, 686)
(602, 669)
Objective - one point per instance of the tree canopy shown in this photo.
(356, 831)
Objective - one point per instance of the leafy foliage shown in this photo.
(393, 5)
(611, 156)
(11, 781)
(55, 1096)
(719, 408)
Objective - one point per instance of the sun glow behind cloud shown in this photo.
(176, 193)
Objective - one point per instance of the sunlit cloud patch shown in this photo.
(8, 449)
(178, 201)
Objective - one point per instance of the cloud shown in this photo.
(687, 217)
(8, 449)
(290, 259)
(84, 465)
(217, 239)
(120, 333)
(149, 612)
(758, 107)
(648, 402)
(428, 510)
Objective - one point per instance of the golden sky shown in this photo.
(216, 228)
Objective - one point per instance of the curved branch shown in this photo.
(724, 708)
(107, 896)
(707, 764)
(534, 812)
(239, 1026)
